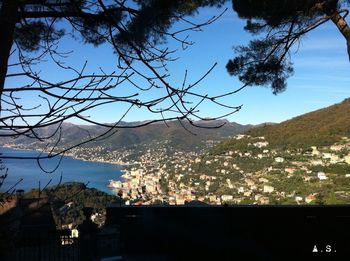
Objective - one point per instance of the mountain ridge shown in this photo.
(179, 134)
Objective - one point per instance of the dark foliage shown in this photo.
(266, 61)
(31, 35)
(260, 64)
(78, 196)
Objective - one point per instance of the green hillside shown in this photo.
(319, 128)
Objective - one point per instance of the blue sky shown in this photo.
(321, 75)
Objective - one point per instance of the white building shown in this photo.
(316, 162)
(314, 152)
(74, 233)
(260, 144)
(264, 180)
(335, 159)
(279, 159)
(298, 199)
(197, 160)
(322, 176)
(347, 159)
(241, 190)
(268, 189)
(226, 197)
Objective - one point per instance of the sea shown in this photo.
(96, 174)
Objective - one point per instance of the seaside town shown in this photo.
(257, 175)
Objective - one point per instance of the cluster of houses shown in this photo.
(163, 174)
(160, 177)
(101, 154)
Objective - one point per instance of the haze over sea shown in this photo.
(96, 173)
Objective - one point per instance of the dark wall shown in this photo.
(261, 233)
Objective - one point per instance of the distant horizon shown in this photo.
(248, 123)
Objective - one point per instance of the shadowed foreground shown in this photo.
(188, 232)
(229, 232)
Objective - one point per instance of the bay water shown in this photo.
(97, 174)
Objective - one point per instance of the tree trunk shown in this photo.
(343, 27)
(8, 19)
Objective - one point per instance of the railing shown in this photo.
(52, 246)
(49, 250)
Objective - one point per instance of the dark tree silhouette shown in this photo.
(137, 31)
(266, 61)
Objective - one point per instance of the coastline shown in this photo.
(118, 163)
(99, 179)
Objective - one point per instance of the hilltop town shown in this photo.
(255, 175)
